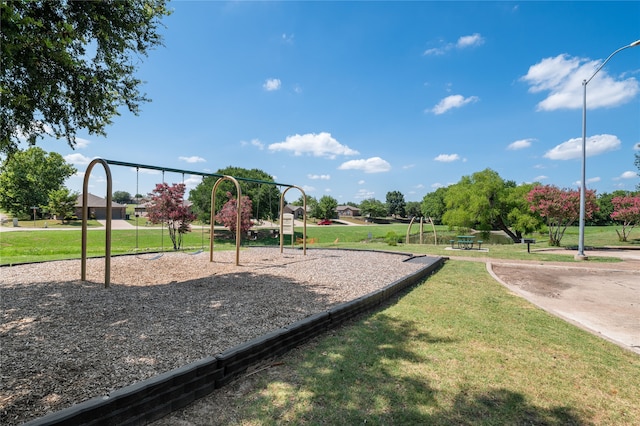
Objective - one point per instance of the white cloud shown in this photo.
(192, 181)
(462, 43)
(450, 102)
(540, 178)
(436, 51)
(272, 84)
(361, 182)
(627, 175)
(287, 38)
(408, 166)
(81, 143)
(308, 188)
(590, 180)
(562, 77)
(595, 145)
(437, 185)
(370, 165)
(520, 144)
(321, 177)
(636, 147)
(254, 142)
(192, 159)
(318, 145)
(447, 158)
(78, 159)
(147, 171)
(470, 40)
(419, 186)
(364, 194)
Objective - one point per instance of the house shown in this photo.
(296, 211)
(348, 211)
(98, 208)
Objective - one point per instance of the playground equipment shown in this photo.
(435, 236)
(235, 180)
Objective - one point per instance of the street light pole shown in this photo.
(583, 194)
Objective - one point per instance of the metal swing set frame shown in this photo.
(107, 245)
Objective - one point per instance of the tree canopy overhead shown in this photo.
(69, 65)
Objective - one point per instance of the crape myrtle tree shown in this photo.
(228, 214)
(485, 201)
(626, 210)
(265, 197)
(560, 208)
(28, 176)
(167, 206)
(396, 204)
(67, 65)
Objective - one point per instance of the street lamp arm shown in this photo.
(583, 185)
(634, 44)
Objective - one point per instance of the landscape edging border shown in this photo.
(154, 398)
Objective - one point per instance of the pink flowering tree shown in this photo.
(627, 211)
(167, 206)
(228, 214)
(560, 208)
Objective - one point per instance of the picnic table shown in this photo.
(465, 242)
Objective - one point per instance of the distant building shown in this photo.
(98, 208)
(349, 211)
(296, 211)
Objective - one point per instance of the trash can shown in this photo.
(15, 222)
(126, 216)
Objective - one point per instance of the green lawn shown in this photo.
(454, 351)
(53, 244)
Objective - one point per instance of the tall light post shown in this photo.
(583, 185)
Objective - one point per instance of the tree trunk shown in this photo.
(499, 223)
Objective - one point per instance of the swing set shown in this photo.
(105, 164)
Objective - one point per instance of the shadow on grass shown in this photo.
(374, 373)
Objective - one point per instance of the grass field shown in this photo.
(63, 242)
(459, 349)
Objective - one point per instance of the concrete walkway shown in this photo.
(600, 297)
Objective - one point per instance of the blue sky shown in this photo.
(356, 99)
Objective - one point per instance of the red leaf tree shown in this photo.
(626, 210)
(228, 214)
(167, 206)
(560, 208)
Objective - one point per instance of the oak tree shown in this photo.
(68, 65)
(27, 178)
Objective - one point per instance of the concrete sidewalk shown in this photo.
(602, 298)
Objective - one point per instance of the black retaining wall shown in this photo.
(152, 399)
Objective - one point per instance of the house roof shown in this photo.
(95, 201)
(341, 208)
